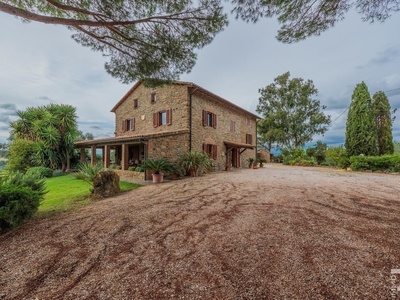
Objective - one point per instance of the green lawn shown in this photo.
(66, 192)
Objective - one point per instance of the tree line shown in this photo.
(291, 117)
(369, 123)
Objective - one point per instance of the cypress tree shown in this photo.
(381, 111)
(360, 126)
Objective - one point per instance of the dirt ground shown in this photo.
(272, 233)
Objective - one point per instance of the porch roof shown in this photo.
(126, 138)
(238, 145)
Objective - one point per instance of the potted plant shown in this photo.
(255, 164)
(228, 166)
(251, 161)
(195, 163)
(159, 167)
(262, 162)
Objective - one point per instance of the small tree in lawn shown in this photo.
(383, 120)
(361, 126)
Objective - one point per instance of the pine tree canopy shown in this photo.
(156, 40)
(153, 40)
(301, 19)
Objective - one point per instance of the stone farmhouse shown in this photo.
(170, 120)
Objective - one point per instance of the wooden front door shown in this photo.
(235, 158)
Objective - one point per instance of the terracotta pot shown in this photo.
(158, 178)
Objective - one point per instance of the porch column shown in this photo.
(83, 155)
(93, 155)
(106, 156)
(124, 158)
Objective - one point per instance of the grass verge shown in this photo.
(67, 192)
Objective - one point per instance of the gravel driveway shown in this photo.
(272, 233)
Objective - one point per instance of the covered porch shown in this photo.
(123, 152)
(233, 150)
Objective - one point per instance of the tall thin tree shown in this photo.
(360, 126)
(383, 120)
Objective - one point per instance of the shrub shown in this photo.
(114, 167)
(375, 163)
(20, 179)
(318, 151)
(337, 156)
(297, 157)
(21, 155)
(396, 147)
(3, 163)
(20, 197)
(291, 155)
(40, 172)
(131, 168)
(139, 169)
(58, 172)
(177, 170)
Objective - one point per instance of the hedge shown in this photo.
(389, 163)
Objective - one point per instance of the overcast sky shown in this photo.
(41, 64)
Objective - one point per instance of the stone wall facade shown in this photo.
(232, 124)
(168, 97)
(244, 124)
(170, 147)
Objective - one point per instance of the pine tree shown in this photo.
(360, 126)
(381, 113)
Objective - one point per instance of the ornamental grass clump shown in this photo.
(195, 163)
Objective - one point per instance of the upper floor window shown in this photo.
(128, 124)
(135, 103)
(209, 119)
(233, 126)
(248, 120)
(249, 139)
(153, 97)
(163, 117)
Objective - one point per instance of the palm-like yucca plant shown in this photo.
(53, 126)
(161, 165)
(88, 171)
